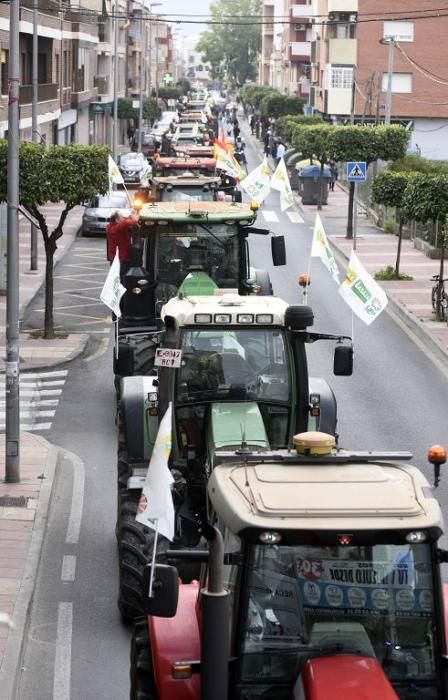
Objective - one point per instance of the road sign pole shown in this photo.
(355, 214)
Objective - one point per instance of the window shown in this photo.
(341, 77)
(4, 66)
(401, 82)
(401, 31)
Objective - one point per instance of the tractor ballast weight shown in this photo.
(331, 561)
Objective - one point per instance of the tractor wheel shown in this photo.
(143, 686)
(264, 282)
(135, 358)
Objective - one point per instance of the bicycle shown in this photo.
(440, 285)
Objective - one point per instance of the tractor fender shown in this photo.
(176, 639)
(140, 427)
(328, 405)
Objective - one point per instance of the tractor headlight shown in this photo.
(245, 318)
(265, 318)
(416, 537)
(270, 537)
(223, 318)
(202, 318)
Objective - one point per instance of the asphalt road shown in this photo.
(396, 399)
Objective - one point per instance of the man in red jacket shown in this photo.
(118, 234)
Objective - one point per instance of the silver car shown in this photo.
(99, 210)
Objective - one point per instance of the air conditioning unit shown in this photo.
(332, 17)
(299, 27)
(353, 17)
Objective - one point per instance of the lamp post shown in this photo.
(115, 85)
(390, 42)
(142, 80)
(150, 6)
(35, 133)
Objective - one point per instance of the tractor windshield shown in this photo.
(188, 194)
(203, 258)
(238, 365)
(374, 601)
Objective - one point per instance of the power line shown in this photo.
(421, 69)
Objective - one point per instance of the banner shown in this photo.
(227, 162)
(115, 177)
(113, 290)
(156, 509)
(257, 183)
(360, 291)
(280, 182)
(320, 248)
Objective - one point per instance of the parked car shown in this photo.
(99, 210)
(131, 165)
(149, 144)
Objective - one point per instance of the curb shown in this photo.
(22, 608)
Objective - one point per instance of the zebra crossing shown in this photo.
(271, 217)
(40, 393)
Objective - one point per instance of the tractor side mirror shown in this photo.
(343, 360)
(165, 590)
(278, 250)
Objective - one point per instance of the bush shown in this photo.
(388, 273)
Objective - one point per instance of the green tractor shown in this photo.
(238, 380)
(197, 248)
(321, 580)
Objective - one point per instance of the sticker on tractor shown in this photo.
(167, 357)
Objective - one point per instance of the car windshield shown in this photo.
(188, 194)
(135, 160)
(374, 601)
(110, 202)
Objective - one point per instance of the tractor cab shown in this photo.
(185, 186)
(164, 166)
(321, 580)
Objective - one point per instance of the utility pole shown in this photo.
(157, 64)
(142, 79)
(115, 86)
(35, 132)
(12, 399)
(389, 41)
(353, 105)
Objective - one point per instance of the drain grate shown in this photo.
(13, 502)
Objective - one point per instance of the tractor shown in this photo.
(165, 166)
(190, 248)
(241, 380)
(185, 187)
(320, 580)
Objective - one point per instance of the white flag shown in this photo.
(258, 183)
(228, 163)
(156, 509)
(280, 182)
(363, 295)
(113, 290)
(320, 248)
(115, 177)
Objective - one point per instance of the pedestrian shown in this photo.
(130, 134)
(333, 174)
(252, 123)
(280, 151)
(267, 142)
(118, 235)
(236, 129)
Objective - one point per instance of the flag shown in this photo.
(364, 296)
(156, 509)
(258, 183)
(115, 177)
(113, 290)
(320, 248)
(280, 182)
(226, 161)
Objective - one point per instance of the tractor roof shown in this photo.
(187, 161)
(322, 495)
(186, 310)
(201, 212)
(187, 179)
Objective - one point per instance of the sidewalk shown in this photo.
(23, 506)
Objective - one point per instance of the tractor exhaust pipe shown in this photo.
(215, 623)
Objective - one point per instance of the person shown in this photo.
(267, 141)
(252, 123)
(118, 235)
(280, 151)
(236, 129)
(334, 174)
(130, 133)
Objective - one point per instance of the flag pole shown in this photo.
(116, 338)
(153, 560)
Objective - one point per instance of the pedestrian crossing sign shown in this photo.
(356, 171)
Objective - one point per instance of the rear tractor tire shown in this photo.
(143, 686)
(135, 358)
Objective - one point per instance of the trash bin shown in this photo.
(309, 183)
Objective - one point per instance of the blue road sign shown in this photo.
(356, 171)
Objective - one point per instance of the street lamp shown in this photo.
(390, 42)
(150, 5)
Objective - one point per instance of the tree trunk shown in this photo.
(50, 248)
(351, 199)
(400, 235)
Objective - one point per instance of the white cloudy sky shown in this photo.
(182, 7)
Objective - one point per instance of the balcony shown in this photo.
(338, 101)
(342, 6)
(299, 11)
(342, 51)
(102, 83)
(45, 93)
(300, 50)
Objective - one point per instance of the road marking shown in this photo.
(68, 568)
(294, 217)
(39, 392)
(270, 216)
(63, 657)
(74, 523)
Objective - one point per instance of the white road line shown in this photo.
(34, 427)
(270, 216)
(68, 568)
(74, 523)
(34, 413)
(63, 657)
(44, 375)
(294, 217)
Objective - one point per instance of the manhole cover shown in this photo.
(13, 502)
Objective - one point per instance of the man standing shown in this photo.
(118, 235)
(280, 152)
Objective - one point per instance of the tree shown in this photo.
(388, 188)
(426, 199)
(368, 144)
(232, 49)
(70, 174)
(276, 105)
(125, 110)
(286, 125)
(316, 141)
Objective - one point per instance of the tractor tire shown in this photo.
(143, 685)
(264, 282)
(299, 318)
(135, 358)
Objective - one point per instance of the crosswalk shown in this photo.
(40, 393)
(271, 217)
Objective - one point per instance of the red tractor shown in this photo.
(321, 581)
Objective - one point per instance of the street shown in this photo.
(396, 400)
